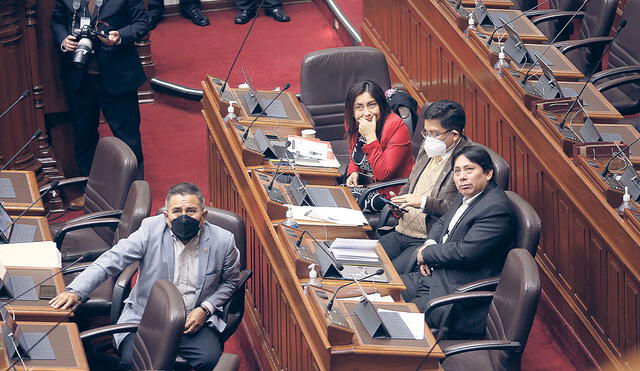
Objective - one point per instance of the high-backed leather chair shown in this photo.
(551, 28)
(597, 19)
(509, 320)
(525, 5)
(113, 170)
(325, 78)
(159, 332)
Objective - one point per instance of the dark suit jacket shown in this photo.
(119, 65)
(476, 247)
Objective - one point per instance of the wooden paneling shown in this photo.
(590, 256)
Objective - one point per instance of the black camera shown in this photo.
(86, 36)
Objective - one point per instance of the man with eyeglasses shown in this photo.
(430, 188)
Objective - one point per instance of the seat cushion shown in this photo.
(477, 360)
(83, 241)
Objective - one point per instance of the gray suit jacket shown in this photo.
(152, 246)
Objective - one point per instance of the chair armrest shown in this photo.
(473, 345)
(108, 330)
(68, 227)
(76, 268)
(457, 298)
(615, 71)
(64, 183)
(567, 46)
(244, 277)
(618, 82)
(121, 290)
(556, 16)
(376, 186)
(487, 284)
(98, 214)
(539, 12)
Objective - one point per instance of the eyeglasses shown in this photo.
(360, 107)
(432, 134)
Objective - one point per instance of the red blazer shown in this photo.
(390, 156)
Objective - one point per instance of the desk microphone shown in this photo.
(53, 185)
(33, 137)
(335, 293)
(526, 75)
(605, 172)
(322, 247)
(275, 175)
(511, 21)
(16, 297)
(224, 84)
(264, 111)
(595, 67)
(20, 98)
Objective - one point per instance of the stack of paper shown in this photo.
(312, 152)
(355, 250)
(34, 254)
(329, 215)
(354, 243)
(375, 297)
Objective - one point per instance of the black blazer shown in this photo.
(476, 247)
(119, 65)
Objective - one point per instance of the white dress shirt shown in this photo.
(185, 271)
(456, 217)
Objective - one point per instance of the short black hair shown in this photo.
(449, 113)
(184, 189)
(475, 154)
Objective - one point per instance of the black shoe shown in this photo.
(278, 14)
(244, 16)
(196, 16)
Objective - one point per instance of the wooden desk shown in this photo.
(527, 31)
(588, 256)
(66, 344)
(561, 66)
(43, 232)
(37, 310)
(27, 191)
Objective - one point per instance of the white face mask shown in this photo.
(434, 146)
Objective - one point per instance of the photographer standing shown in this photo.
(101, 70)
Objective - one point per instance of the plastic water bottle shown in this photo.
(313, 278)
(626, 202)
(231, 115)
(471, 26)
(289, 221)
(501, 63)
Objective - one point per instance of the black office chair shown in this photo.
(511, 312)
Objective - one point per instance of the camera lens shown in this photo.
(82, 53)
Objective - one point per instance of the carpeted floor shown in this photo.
(174, 140)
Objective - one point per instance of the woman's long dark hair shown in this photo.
(355, 90)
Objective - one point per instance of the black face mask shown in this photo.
(185, 227)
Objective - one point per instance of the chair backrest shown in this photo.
(625, 51)
(233, 223)
(513, 307)
(552, 28)
(525, 5)
(325, 77)
(528, 224)
(416, 139)
(113, 170)
(156, 342)
(500, 168)
(598, 18)
(136, 208)
(234, 308)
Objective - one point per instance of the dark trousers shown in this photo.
(253, 4)
(202, 349)
(401, 249)
(121, 112)
(156, 7)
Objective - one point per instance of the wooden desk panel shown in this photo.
(27, 191)
(527, 31)
(43, 232)
(588, 255)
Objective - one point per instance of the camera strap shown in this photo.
(75, 5)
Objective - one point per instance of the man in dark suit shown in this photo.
(108, 81)
(248, 10)
(470, 241)
(430, 188)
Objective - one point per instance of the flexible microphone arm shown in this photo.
(339, 265)
(335, 293)
(526, 75)
(33, 137)
(54, 184)
(275, 175)
(511, 21)
(20, 98)
(595, 67)
(264, 111)
(605, 172)
(224, 84)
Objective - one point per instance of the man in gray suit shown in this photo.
(430, 187)
(201, 259)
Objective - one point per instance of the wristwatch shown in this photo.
(206, 310)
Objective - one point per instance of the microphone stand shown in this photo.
(20, 98)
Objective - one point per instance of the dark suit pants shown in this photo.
(202, 349)
(253, 4)
(401, 249)
(419, 292)
(121, 112)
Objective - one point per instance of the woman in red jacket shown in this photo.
(379, 142)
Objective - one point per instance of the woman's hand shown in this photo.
(352, 180)
(368, 129)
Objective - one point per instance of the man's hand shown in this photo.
(64, 300)
(419, 255)
(114, 38)
(424, 270)
(69, 43)
(194, 321)
(352, 180)
(367, 129)
(409, 199)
